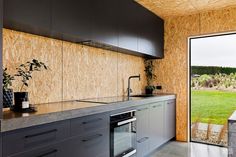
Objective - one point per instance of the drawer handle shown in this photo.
(143, 139)
(92, 138)
(142, 109)
(46, 154)
(92, 121)
(156, 106)
(42, 133)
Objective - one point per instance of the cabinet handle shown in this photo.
(142, 109)
(155, 106)
(48, 153)
(92, 137)
(42, 133)
(143, 139)
(92, 121)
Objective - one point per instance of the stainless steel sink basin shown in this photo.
(143, 95)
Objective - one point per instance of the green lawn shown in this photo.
(212, 106)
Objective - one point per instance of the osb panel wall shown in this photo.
(76, 71)
(21, 47)
(172, 70)
(166, 8)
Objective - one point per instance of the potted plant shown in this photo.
(25, 72)
(7, 91)
(149, 71)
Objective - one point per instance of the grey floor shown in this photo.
(179, 149)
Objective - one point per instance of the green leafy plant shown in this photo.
(149, 71)
(25, 71)
(7, 80)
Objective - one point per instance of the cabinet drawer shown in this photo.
(157, 105)
(25, 139)
(80, 126)
(93, 144)
(142, 115)
(57, 150)
(143, 147)
(171, 102)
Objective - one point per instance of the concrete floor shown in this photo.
(179, 149)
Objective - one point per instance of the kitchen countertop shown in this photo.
(52, 112)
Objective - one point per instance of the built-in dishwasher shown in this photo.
(123, 134)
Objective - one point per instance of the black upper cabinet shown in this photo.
(33, 16)
(120, 25)
(151, 33)
(71, 19)
(104, 22)
(128, 33)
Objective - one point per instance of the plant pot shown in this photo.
(7, 98)
(149, 91)
(19, 97)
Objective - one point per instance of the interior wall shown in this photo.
(172, 71)
(75, 71)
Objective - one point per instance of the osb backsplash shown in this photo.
(76, 71)
(173, 70)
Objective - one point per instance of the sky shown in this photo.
(214, 51)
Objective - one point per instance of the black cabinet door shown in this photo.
(128, 32)
(93, 144)
(151, 34)
(33, 137)
(33, 16)
(104, 22)
(57, 150)
(71, 19)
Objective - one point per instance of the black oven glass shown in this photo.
(123, 135)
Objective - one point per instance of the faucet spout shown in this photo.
(131, 77)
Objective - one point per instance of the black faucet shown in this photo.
(129, 90)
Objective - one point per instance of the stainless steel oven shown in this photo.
(123, 134)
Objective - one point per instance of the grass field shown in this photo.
(212, 106)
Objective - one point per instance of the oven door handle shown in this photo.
(130, 153)
(126, 121)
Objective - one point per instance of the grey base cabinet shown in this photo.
(143, 126)
(155, 126)
(57, 150)
(89, 136)
(30, 138)
(94, 144)
(169, 120)
(80, 137)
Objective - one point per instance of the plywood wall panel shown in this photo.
(76, 71)
(126, 69)
(167, 8)
(88, 72)
(172, 70)
(21, 47)
(218, 21)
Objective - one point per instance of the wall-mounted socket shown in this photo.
(159, 87)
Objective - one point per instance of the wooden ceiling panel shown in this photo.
(165, 8)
